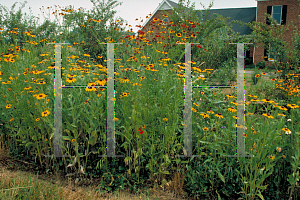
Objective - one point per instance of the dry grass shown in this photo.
(12, 183)
(22, 184)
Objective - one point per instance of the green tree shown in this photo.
(84, 26)
(11, 19)
(214, 35)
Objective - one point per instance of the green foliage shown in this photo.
(261, 65)
(148, 138)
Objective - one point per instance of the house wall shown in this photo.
(293, 10)
(159, 14)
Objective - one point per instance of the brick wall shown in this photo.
(293, 10)
(159, 15)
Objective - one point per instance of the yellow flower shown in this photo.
(283, 108)
(268, 115)
(71, 80)
(40, 96)
(252, 96)
(268, 101)
(116, 119)
(205, 128)
(45, 113)
(281, 114)
(165, 119)
(90, 89)
(230, 96)
(272, 157)
(125, 94)
(204, 115)
(286, 130)
(37, 119)
(11, 119)
(293, 106)
(8, 106)
(231, 109)
(73, 140)
(219, 115)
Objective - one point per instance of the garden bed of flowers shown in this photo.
(149, 111)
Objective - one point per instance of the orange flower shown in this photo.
(278, 149)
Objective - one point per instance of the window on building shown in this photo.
(278, 13)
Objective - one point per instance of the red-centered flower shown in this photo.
(193, 26)
(141, 32)
(140, 130)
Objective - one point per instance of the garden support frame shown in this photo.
(187, 105)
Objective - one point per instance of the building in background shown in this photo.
(284, 11)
